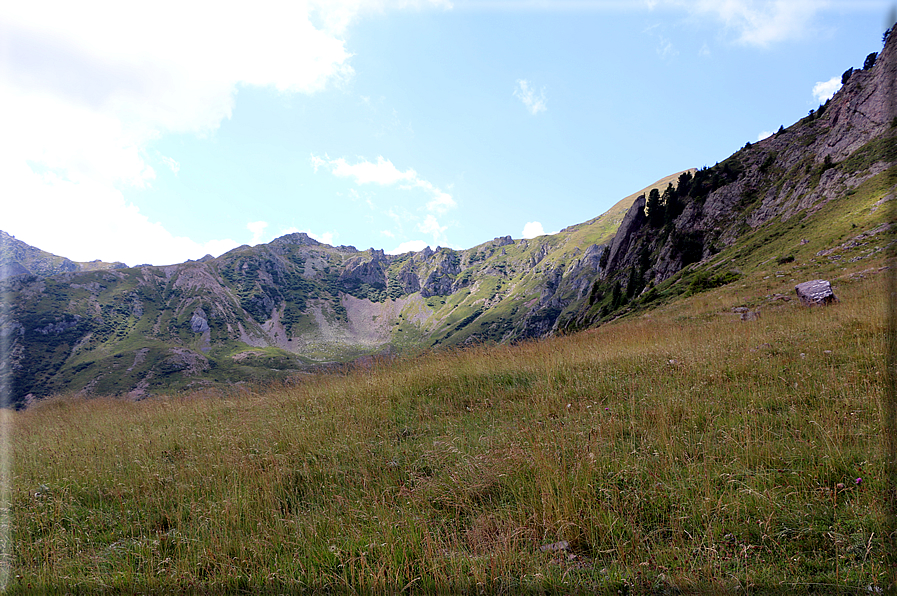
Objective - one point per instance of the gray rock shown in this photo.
(817, 292)
(632, 223)
(198, 321)
(554, 547)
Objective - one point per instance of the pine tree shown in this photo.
(654, 208)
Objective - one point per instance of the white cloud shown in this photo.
(441, 201)
(705, 50)
(258, 229)
(528, 97)
(364, 172)
(823, 91)
(87, 86)
(430, 225)
(384, 173)
(410, 246)
(173, 165)
(326, 237)
(387, 233)
(758, 22)
(87, 219)
(533, 229)
(337, 15)
(764, 135)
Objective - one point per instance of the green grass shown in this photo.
(683, 449)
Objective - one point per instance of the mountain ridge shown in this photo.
(276, 310)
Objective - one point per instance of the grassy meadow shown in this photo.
(681, 450)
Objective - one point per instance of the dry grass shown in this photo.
(685, 450)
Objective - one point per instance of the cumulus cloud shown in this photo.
(533, 229)
(258, 229)
(524, 93)
(385, 173)
(173, 165)
(410, 246)
(364, 172)
(764, 135)
(87, 219)
(87, 86)
(823, 91)
(430, 225)
(757, 22)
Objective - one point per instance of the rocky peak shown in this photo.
(297, 238)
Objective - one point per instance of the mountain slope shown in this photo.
(272, 310)
(803, 203)
(793, 196)
(19, 258)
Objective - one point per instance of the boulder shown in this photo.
(817, 292)
(198, 322)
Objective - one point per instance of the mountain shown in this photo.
(18, 258)
(801, 203)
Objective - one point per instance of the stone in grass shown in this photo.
(817, 292)
(554, 547)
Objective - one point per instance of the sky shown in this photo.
(160, 132)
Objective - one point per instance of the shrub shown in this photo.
(870, 61)
(846, 76)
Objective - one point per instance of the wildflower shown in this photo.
(858, 481)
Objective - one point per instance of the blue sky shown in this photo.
(162, 132)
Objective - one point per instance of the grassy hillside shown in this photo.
(684, 449)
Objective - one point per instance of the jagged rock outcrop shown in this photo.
(198, 322)
(440, 280)
(632, 223)
(361, 270)
(408, 278)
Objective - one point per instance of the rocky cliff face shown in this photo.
(787, 177)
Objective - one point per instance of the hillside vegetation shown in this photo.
(685, 449)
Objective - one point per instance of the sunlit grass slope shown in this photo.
(682, 450)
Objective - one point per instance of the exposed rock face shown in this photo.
(408, 278)
(817, 292)
(359, 270)
(298, 238)
(439, 282)
(198, 321)
(632, 223)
